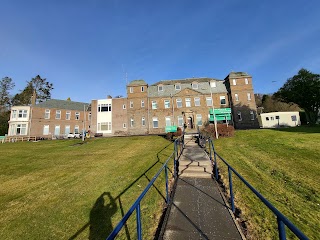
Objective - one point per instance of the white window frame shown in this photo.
(213, 84)
(77, 115)
(246, 81)
(195, 85)
(131, 104)
(14, 114)
(22, 113)
(177, 87)
(124, 106)
(188, 102)
(239, 116)
(46, 129)
(76, 129)
(22, 127)
(168, 121)
(58, 114)
(68, 115)
(166, 103)
(142, 103)
(252, 115)
(199, 119)
(160, 88)
(236, 96)
(155, 120)
(143, 121)
(209, 101)
(131, 89)
(234, 82)
(197, 102)
(56, 133)
(223, 98)
(154, 104)
(180, 121)
(179, 102)
(124, 125)
(47, 114)
(66, 127)
(249, 96)
(131, 122)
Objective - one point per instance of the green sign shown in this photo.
(220, 111)
(171, 129)
(220, 114)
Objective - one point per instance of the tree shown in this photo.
(40, 86)
(304, 90)
(6, 84)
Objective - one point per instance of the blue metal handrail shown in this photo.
(178, 149)
(281, 219)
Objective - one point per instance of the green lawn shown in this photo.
(283, 165)
(66, 190)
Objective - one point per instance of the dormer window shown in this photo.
(178, 87)
(160, 88)
(195, 85)
(213, 84)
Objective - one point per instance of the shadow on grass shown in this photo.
(300, 129)
(100, 224)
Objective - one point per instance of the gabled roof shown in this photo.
(169, 87)
(137, 83)
(62, 104)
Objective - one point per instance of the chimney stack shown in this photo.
(34, 97)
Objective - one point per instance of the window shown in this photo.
(142, 88)
(47, 114)
(271, 118)
(105, 126)
(124, 125)
(21, 129)
(123, 106)
(197, 101)
(213, 84)
(188, 102)
(195, 85)
(131, 122)
(249, 96)
(76, 129)
(236, 96)
(67, 129)
(180, 121)
(77, 115)
(131, 89)
(106, 107)
(251, 115)
(168, 121)
(57, 130)
(142, 103)
(267, 118)
(23, 113)
(58, 114)
(177, 87)
(160, 88)
(155, 122)
(179, 103)
(68, 115)
(222, 100)
(209, 101)
(14, 114)
(166, 103)
(143, 121)
(131, 104)
(199, 119)
(246, 81)
(294, 118)
(46, 130)
(154, 105)
(239, 116)
(89, 116)
(12, 129)
(277, 117)
(234, 82)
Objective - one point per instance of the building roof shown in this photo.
(137, 83)
(62, 104)
(169, 86)
(238, 74)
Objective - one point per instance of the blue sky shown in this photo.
(84, 47)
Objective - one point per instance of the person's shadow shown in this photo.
(100, 217)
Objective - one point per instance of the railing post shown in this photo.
(215, 162)
(281, 229)
(167, 185)
(139, 229)
(231, 190)
(175, 159)
(210, 150)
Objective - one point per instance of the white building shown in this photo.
(19, 121)
(279, 119)
(104, 116)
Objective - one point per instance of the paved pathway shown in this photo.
(198, 211)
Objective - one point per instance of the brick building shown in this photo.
(52, 118)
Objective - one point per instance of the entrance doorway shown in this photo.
(190, 122)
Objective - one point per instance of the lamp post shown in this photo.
(214, 115)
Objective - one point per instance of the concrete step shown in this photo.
(195, 174)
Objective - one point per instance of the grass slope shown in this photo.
(284, 166)
(65, 190)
